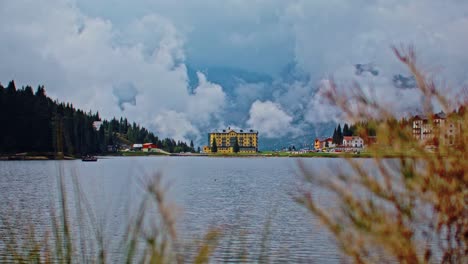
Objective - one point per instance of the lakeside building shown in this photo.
(324, 143)
(353, 141)
(226, 139)
(437, 127)
(149, 147)
(352, 144)
(317, 144)
(349, 143)
(137, 147)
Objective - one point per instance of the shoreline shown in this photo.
(266, 154)
(39, 157)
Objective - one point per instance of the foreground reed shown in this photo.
(413, 208)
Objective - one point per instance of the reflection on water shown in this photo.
(238, 194)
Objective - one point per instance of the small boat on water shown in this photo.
(89, 158)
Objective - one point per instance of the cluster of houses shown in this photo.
(349, 144)
(428, 130)
(146, 147)
(437, 127)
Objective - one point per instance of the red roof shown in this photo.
(149, 145)
(347, 138)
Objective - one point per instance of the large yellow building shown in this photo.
(225, 141)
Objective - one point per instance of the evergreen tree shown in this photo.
(236, 147)
(40, 92)
(36, 123)
(334, 137)
(192, 147)
(346, 131)
(339, 135)
(353, 130)
(3, 116)
(109, 139)
(102, 140)
(11, 88)
(214, 148)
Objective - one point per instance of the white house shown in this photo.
(353, 142)
(137, 146)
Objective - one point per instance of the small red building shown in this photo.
(149, 146)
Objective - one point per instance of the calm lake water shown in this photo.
(236, 194)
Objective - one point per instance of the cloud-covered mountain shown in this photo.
(404, 82)
(275, 106)
(147, 59)
(368, 67)
(229, 78)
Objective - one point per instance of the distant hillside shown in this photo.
(33, 122)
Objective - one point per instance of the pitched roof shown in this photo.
(440, 115)
(238, 131)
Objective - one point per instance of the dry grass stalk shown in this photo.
(413, 209)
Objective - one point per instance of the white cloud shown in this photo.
(319, 109)
(174, 125)
(252, 31)
(201, 110)
(78, 59)
(137, 71)
(332, 36)
(207, 101)
(269, 119)
(295, 96)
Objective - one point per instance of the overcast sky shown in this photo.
(129, 58)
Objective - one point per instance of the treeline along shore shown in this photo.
(34, 125)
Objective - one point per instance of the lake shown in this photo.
(239, 195)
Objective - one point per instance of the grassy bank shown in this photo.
(284, 154)
(35, 156)
(140, 153)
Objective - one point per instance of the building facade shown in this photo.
(149, 147)
(353, 142)
(323, 144)
(438, 127)
(317, 145)
(424, 129)
(226, 140)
